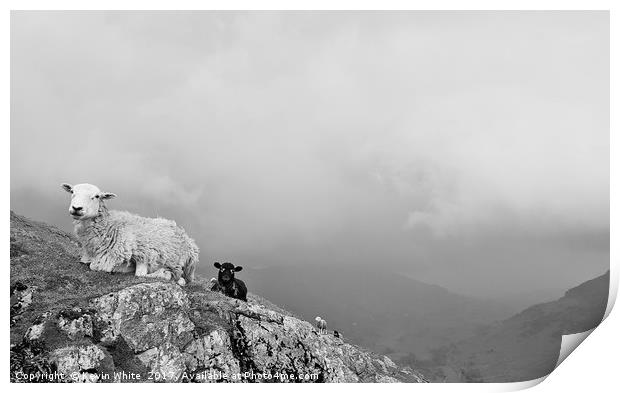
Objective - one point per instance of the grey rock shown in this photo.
(96, 327)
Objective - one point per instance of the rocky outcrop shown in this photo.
(75, 325)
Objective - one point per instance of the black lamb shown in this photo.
(228, 284)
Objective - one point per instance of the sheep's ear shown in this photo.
(106, 195)
(238, 268)
(67, 187)
(217, 265)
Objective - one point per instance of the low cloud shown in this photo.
(441, 145)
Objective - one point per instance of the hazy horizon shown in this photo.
(464, 149)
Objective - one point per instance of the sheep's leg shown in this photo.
(176, 272)
(85, 258)
(142, 270)
(161, 273)
(126, 267)
(110, 260)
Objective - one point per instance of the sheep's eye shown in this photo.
(97, 196)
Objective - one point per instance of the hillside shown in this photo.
(69, 323)
(527, 345)
(388, 313)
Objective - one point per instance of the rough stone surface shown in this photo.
(90, 326)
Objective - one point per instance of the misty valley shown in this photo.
(449, 337)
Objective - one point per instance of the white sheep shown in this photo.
(118, 241)
(321, 324)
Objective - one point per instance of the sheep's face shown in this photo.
(227, 272)
(86, 200)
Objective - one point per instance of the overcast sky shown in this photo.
(466, 149)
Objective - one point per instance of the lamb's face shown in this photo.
(85, 200)
(227, 271)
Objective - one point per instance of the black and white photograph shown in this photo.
(336, 196)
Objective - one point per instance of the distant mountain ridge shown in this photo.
(527, 345)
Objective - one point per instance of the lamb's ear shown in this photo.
(217, 265)
(67, 187)
(106, 195)
(238, 268)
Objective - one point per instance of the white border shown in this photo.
(595, 365)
